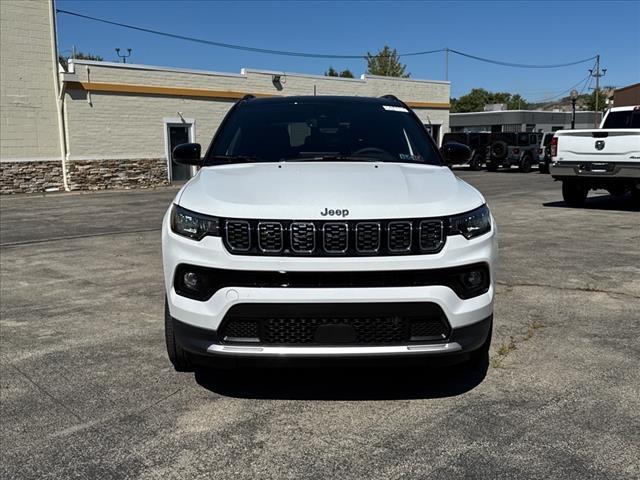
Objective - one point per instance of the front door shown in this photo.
(178, 134)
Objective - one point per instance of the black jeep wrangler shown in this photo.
(478, 142)
(513, 148)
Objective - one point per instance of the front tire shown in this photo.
(476, 162)
(492, 167)
(178, 356)
(574, 193)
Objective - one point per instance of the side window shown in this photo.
(523, 139)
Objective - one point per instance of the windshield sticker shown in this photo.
(395, 109)
(410, 158)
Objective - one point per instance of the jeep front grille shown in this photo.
(238, 235)
(400, 234)
(270, 237)
(335, 237)
(303, 237)
(321, 238)
(431, 235)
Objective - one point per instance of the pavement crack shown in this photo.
(510, 345)
(72, 237)
(166, 397)
(569, 289)
(48, 394)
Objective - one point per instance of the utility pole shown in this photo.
(597, 76)
(446, 64)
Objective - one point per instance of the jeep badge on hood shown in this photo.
(338, 212)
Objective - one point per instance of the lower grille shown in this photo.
(312, 324)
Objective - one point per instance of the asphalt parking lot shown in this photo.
(87, 390)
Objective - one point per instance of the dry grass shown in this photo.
(508, 346)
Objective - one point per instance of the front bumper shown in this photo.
(198, 321)
(204, 343)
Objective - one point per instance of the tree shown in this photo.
(79, 56)
(591, 101)
(477, 98)
(332, 72)
(386, 63)
(474, 101)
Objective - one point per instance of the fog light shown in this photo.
(472, 279)
(191, 280)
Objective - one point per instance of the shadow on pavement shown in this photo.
(365, 382)
(602, 202)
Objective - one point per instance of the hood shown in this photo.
(306, 190)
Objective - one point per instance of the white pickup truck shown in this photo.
(606, 158)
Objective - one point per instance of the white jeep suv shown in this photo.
(326, 227)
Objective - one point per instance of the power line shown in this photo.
(519, 65)
(560, 95)
(308, 54)
(231, 45)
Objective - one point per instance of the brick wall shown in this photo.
(122, 174)
(30, 177)
(38, 177)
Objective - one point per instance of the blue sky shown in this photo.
(519, 32)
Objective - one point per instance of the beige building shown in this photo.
(115, 124)
(30, 134)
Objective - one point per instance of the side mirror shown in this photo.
(455, 153)
(187, 154)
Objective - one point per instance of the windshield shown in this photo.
(322, 130)
(623, 119)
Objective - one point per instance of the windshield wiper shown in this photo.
(235, 158)
(337, 158)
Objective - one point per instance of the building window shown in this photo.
(511, 127)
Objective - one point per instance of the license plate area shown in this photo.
(597, 167)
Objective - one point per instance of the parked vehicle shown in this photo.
(606, 158)
(513, 148)
(478, 142)
(544, 152)
(326, 227)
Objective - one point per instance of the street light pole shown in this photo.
(123, 56)
(574, 97)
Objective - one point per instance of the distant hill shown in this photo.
(564, 104)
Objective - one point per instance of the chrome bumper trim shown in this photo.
(574, 169)
(242, 350)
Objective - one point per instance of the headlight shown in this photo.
(471, 224)
(193, 225)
